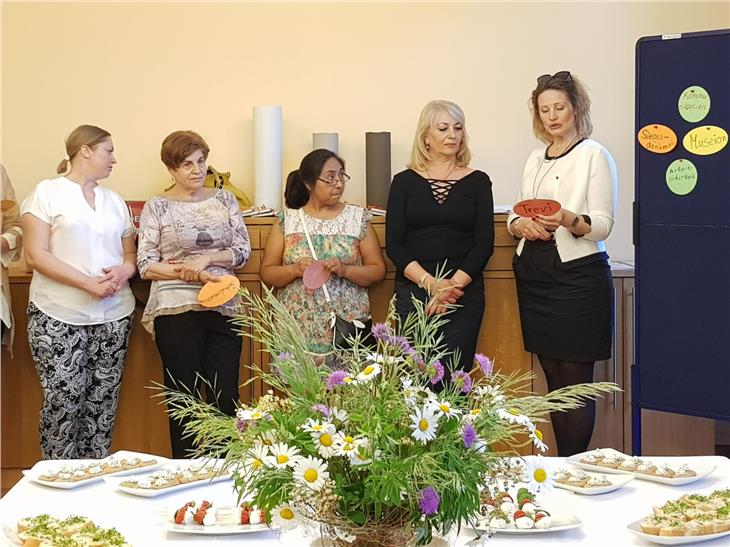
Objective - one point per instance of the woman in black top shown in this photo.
(440, 213)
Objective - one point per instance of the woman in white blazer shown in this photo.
(563, 278)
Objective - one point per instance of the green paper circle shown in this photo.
(681, 177)
(694, 103)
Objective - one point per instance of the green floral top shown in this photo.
(338, 237)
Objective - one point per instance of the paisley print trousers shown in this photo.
(80, 369)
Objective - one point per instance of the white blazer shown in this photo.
(583, 181)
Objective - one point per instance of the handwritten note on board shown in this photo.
(705, 140)
(681, 177)
(657, 138)
(694, 104)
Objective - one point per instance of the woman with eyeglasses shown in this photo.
(187, 236)
(343, 240)
(563, 278)
(440, 230)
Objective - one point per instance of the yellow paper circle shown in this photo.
(705, 140)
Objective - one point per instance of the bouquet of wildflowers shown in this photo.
(363, 445)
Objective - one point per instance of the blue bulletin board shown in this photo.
(682, 226)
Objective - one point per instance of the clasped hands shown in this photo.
(442, 293)
(543, 226)
(334, 265)
(111, 282)
(193, 269)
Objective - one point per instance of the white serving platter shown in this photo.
(635, 528)
(617, 481)
(115, 482)
(226, 525)
(560, 522)
(49, 466)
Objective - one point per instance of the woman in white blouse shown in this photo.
(563, 278)
(79, 240)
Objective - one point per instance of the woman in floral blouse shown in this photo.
(343, 240)
(190, 235)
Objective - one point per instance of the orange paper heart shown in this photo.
(217, 293)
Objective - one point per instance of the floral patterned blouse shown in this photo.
(170, 229)
(339, 237)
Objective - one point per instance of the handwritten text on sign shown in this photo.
(217, 293)
(705, 140)
(694, 104)
(532, 207)
(681, 177)
(657, 138)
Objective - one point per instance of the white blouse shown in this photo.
(583, 181)
(85, 238)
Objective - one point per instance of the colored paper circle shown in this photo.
(217, 293)
(532, 207)
(705, 140)
(657, 138)
(694, 104)
(315, 275)
(681, 177)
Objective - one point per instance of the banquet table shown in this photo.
(604, 517)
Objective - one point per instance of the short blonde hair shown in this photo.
(579, 100)
(420, 155)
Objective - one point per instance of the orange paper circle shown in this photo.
(217, 293)
(657, 138)
(532, 207)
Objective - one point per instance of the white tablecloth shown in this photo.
(604, 517)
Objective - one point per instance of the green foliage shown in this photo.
(366, 398)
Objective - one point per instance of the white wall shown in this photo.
(144, 70)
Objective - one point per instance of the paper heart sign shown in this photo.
(315, 275)
(217, 293)
(532, 207)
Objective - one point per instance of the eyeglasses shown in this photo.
(562, 76)
(330, 180)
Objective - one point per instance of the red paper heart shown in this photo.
(532, 207)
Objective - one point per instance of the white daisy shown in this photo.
(283, 456)
(425, 423)
(409, 392)
(268, 437)
(258, 456)
(339, 415)
(536, 436)
(444, 408)
(315, 426)
(472, 415)
(284, 517)
(345, 444)
(250, 414)
(492, 393)
(324, 441)
(361, 455)
(312, 472)
(513, 416)
(368, 373)
(538, 475)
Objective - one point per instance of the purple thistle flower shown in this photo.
(485, 363)
(322, 409)
(462, 380)
(402, 343)
(380, 331)
(469, 435)
(241, 425)
(336, 378)
(436, 372)
(284, 356)
(429, 501)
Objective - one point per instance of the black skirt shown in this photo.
(566, 308)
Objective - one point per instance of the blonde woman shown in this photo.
(563, 278)
(79, 240)
(441, 216)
